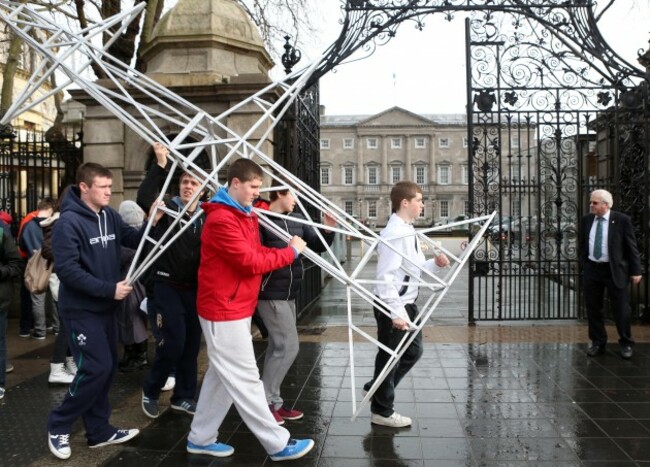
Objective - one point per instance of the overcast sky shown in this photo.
(429, 65)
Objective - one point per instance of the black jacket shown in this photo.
(284, 283)
(11, 265)
(179, 264)
(624, 260)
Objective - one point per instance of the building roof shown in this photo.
(360, 119)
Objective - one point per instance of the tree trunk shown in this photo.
(9, 73)
(151, 17)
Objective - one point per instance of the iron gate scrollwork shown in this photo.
(548, 125)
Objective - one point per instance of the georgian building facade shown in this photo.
(362, 156)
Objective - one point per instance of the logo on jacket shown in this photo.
(81, 340)
(104, 238)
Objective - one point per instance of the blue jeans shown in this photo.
(3, 346)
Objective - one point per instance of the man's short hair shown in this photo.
(45, 203)
(275, 194)
(245, 170)
(87, 172)
(404, 190)
(605, 196)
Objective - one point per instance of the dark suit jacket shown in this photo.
(624, 258)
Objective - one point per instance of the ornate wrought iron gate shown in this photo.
(297, 148)
(553, 114)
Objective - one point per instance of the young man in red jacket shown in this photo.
(230, 273)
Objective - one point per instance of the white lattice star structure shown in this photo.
(71, 53)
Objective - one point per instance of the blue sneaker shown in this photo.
(185, 405)
(59, 445)
(296, 448)
(120, 436)
(150, 407)
(215, 449)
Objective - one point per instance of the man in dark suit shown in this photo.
(610, 260)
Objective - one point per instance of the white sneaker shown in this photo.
(169, 384)
(59, 375)
(70, 366)
(395, 420)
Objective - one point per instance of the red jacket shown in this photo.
(232, 263)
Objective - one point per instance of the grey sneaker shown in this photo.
(185, 405)
(150, 407)
(395, 420)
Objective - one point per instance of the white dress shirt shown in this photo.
(392, 268)
(604, 258)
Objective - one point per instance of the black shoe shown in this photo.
(136, 362)
(594, 350)
(626, 352)
(126, 357)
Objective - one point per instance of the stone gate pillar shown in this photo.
(206, 51)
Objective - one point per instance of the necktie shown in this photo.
(598, 242)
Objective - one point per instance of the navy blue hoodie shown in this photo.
(86, 247)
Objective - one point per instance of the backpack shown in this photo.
(24, 222)
(37, 273)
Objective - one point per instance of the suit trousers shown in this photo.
(597, 278)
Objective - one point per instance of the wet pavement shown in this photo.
(486, 395)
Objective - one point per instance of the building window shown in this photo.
(465, 142)
(516, 172)
(464, 175)
(514, 140)
(371, 143)
(465, 208)
(396, 143)
(348, 143)
(420, 174)
(420, 143)
(348, 206)
(324, 143)
(443, 142)
(516, 207)
(444, 175)
(444, 208)
(25, 58)
(372, 209)
(423, 212)
(395, 174)
(348, 175)
(373, 178)
(325, 173)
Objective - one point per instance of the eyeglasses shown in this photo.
(596, 202)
